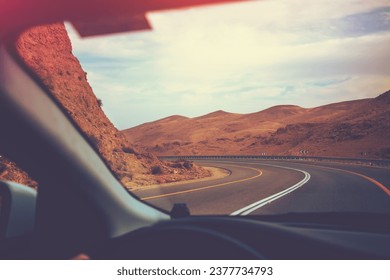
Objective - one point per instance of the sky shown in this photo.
(240, 58)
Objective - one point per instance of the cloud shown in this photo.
(241, 58)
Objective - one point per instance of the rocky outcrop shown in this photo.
(10, 172)
(47, 50)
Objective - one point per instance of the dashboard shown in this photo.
(245, 238)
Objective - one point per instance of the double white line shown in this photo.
(254, 206)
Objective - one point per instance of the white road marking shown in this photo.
(254, 206)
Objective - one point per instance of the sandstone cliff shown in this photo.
(47, 50)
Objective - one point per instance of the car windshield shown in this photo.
(263, 107)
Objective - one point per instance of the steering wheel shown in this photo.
(176, 242)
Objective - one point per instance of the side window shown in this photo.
(9, 171)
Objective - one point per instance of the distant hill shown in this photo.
(359, 128)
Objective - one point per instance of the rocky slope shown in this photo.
(359, 128)
(10, 172)
(47, 50)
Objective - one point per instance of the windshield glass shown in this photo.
(265, 107)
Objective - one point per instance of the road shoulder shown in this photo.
(216, 173)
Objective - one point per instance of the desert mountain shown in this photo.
(353, 129)
(47, 50)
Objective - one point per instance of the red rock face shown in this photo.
(10, 172)
(47, 50)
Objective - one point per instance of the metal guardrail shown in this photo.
(361, 161)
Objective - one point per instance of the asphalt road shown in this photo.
(277, 187)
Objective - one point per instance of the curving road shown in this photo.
(276, 187)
